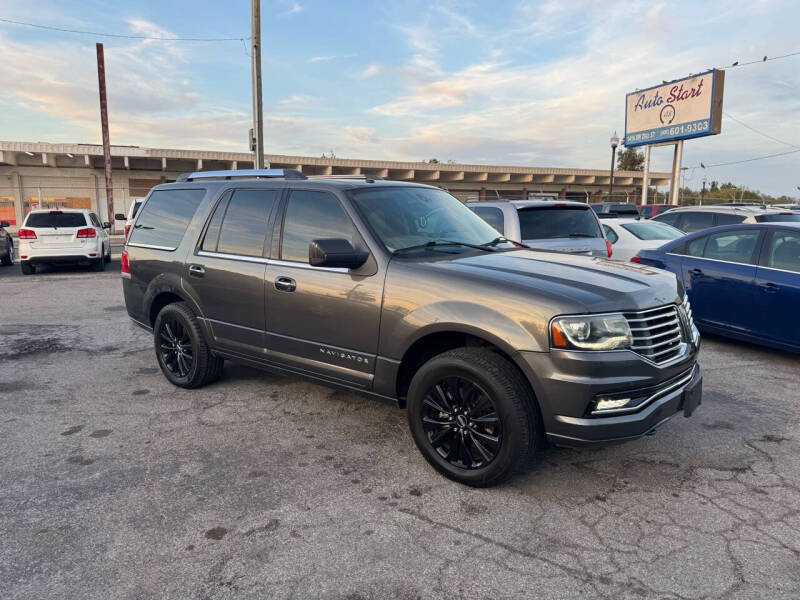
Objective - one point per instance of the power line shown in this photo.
(766, 135)
(746, 160)
(761, 60)
(125, 36)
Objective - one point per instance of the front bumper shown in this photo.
(567, 383)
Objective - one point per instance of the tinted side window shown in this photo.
(647, 212)
(311, 216)
(95, 221)
(245, 223)
(784, 251)
(732, 246)
(695, 221)
(611, 236)
(696, 247)
(212, 231)
(492, 215)
(165, 217)
(669, 218)
(728, 219)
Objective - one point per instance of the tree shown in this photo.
(630, 160)
(433, 161)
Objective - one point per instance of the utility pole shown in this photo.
(255, 59)
(703, 192)
(614, 144)
(101, 79)
(683, 181)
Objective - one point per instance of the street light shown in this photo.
(614, 144)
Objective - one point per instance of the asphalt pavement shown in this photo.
(117, 485)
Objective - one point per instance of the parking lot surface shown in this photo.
(117, 485)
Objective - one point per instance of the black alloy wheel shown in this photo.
(175, 346)
(461, 423)
(473, 416)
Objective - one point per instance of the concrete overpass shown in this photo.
(72, 175)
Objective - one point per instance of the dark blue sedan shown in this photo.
(743, 281)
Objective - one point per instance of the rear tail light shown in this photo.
(87, 232)
(125, 265)
(26, 234)
(608, 249)
(636, 259)
(127, 231)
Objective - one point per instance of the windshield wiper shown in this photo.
(434, 243)
(582, 235)
(500, 239)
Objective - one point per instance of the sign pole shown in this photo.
(675, 184)
(646, 175)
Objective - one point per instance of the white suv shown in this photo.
(63, 236)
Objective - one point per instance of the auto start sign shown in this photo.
(678, 110)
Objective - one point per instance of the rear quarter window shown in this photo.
(165, 217)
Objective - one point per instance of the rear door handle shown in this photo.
(695, 272)
(769, 288)
(285, 284)
(196, 270)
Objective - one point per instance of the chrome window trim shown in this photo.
(301, 265)
(724, 262)
(151, 246)
(239, 257)
(776, 269)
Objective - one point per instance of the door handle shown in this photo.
(285, 284)
(196, 270)
(695, 272)
(769, 288)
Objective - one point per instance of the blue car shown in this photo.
(743, 281)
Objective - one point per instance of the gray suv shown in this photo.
(398, 291)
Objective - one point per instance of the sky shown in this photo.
(509, 83)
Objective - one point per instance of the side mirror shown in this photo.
(119, 217)
(335, 253)
(106, 225)
(4, 224)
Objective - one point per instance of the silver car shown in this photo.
(556, 225)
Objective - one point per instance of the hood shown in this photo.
(593, 284)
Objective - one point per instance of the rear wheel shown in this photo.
(8, 259)
(472, 416)
(99, 264)
(181, 350)
(27, 268)
(107, 257)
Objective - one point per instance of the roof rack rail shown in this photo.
(337, 177)
(244, 173)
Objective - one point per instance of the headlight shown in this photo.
(591, 332)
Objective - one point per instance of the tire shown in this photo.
(176, 327)
(8, 259)
(495, 384)
(107, 257)
(99, 264)
(27, 268)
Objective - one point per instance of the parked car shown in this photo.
(743, 280)
(697, 218)
(6, 246)
(628, 236)
(133, 210)
(561, 226)
(648, 211)
(620, 209)
(63, 236)
(400, 292)
(786, 206)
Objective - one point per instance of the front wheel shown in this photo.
(27, 268)
(8, 259)
(472, 416)
(181, 350)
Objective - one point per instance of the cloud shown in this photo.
(370, 70)
(328, 57)
(293, 8)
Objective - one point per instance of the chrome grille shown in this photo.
(656, 333)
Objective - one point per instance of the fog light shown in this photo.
(610, 404)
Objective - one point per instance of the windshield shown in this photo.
(404, 217)
(779, 218)
(551, 222)
(56, 219)
(649, 230)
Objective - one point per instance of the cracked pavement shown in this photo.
(117, 485)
